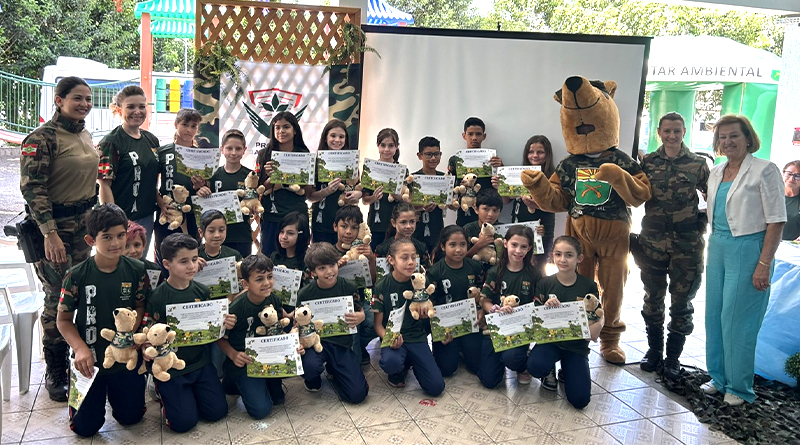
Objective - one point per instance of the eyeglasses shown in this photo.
(438, 154)
(790, 175)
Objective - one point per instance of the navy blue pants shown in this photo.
(446, 356)
(326, 237)
(366, 331)
(244, 248)
(192, 396)
(377, 239)
(493, 365)
(269, 236)
(419, 357)
(345, 367)
(125, 392)
(575, 368)
(258, 395)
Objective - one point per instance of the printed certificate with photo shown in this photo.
(427, 189)
(457, 319)
(332, 311)
(509, 180)
(564, 323)
(332, 164)
(475, 161)
(286, 284)
(274, 356)
(191, 161)
(292, 168)
(357, 271)
(220, 277)
(393, 325)
(79, 385)
(226, 202)
(509, 331)
(389, 175)
(197, 323)
(538, 248)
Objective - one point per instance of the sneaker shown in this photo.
(523, 378)
(397, 382)
(561, 375)
(314, 385)
(151, 389)
(550, 381)
(733, 400)
(709, 388)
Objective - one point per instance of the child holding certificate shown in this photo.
(258, 395)
(566, 285)
(404, 223)
(287, 137)
(326, 197)
(431, 219)
(410, 348)
(337, 354)
(453, 277)
(380, 209)
(293, 238)
(514, 274)
(195, 391)
(213, 231)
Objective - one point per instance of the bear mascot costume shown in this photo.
(595, 184)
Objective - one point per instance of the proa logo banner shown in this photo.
(126, 289)
(588, 189)
(264, 104)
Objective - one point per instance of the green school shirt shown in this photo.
(170, 177)
(195, 356)
(388, 296)
(93, 295)
(521, 284)
(430, 224)
(132, 166)
(342, 288)
(422, 250)
(222, 181)
(452, 284)
(281, 202)
(295, 262)
(246, 323)
(520, 213)
(581, 287)
(224, 252)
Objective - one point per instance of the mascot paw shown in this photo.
(612, 353)
(611, 173)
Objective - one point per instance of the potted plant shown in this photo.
(214, 60)
(352, 46)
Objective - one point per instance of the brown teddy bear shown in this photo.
(307, 329)
(468, 191)
(249, 197)
(121, 349)
(489, 253)
(421, 296)
(177, 206)
(364, 237)
(352, 185)
(474, 293)
(405, 192)
(272, 326)
(160, 337)
(595, 184)
(592, 305)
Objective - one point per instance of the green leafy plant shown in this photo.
(353, 44)
(792, 366)
(214, 60)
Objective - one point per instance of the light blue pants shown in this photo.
(734, 311)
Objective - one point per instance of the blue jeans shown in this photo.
(419, 357)
(447, 356)
(344, 366)
(269, 236)
(575, 368)
(125, 392)
(192, 396)
(258, 394)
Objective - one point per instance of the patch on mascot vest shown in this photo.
(589, 190)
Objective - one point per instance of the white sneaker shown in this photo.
(151, 389)
(550, 381)
(523, 378)
(733, 400)
(709, 388)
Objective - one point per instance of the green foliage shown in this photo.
(214, 60)
(353, 44)
(792, 366)
(441, 13)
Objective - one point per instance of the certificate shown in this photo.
(192, 161)
(435, 189)
(292, 168)
(286, 284)
(220, 277)
(390, 176)
(358, 271)
(331, 311)
(554, 324)
(393, 325)
(457, 319)
(153, 275)
(509, 180)
(226, 202)
(332, 164)
(513, 330)
(197, 323)
(475, 161)
(274, 356)
(538, 248)
(79, 385)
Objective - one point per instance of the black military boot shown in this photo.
(655, 352)
(672, 365)
(56, 376)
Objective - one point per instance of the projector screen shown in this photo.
(427, 82)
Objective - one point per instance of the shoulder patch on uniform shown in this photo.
(29, 149)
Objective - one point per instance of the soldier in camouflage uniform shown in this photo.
(671, 243)
(58, 171)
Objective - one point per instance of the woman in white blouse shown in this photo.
(746, 212)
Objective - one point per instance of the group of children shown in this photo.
(411, 239)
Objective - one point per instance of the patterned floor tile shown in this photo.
(453, 429)
(557, 416)
(422, 406)
(476, 398)
(597, 361)
(525, 394)
(649, 402)
(605, 409)
(151, 421)
(349, 437)
(640, 432)
(205, 433)
(21, 402)
(320, 418)
(588, 436)
(615, 379)
(689, 430)
(128, 436)
(69, 440)
(402, 433)
(461, 377)
(37, 373)
(296, 394)
(507, 425)
(43, 400)
(535, 440)
(47, 424)
(380, 407)
(14, 425)
(243, 429)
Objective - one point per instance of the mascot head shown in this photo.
(589, 116)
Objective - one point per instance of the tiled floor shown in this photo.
(627, 407)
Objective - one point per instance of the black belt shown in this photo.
(669, 226)
(78, 208)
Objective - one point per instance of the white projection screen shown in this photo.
(427, 82)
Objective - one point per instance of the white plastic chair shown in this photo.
(5, 351)
(24, 303)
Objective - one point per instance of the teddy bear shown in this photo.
(176, 207)
(272, 325)
(352, 185)
(121, 349)
(420, 297)
(488, 254)
(468, 191)
(592, 305)
(405, 192)
(160, 336)
(364, 236)
(307, 329)
(474, 293)
(249, 197)
(595, 185)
